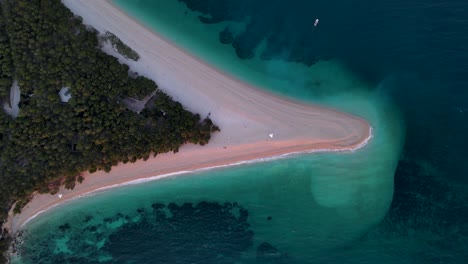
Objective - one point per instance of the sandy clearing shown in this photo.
(12, 108)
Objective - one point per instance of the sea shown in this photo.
(401, 65)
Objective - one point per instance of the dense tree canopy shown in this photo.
(45, 47)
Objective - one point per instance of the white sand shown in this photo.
(13, 108)
(247, 116)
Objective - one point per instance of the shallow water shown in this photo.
(385, 61)
(300, 206)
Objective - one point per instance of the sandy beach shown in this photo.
(254, 124)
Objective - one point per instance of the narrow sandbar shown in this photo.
(254, 124)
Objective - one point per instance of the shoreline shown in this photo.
(202, 169)
(179, 173)
(254, 124)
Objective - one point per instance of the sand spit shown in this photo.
(254, 124)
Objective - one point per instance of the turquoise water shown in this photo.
(292, 210)
(310, 200)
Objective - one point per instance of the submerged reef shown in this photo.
(426, 223)
(205, 232)
(281, 38)
(267, 253)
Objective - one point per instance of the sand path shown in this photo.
(254, 124)
(12, 108)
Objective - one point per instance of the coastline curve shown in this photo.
(245, 114)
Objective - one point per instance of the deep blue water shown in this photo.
(418, 46)
(419, 50)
